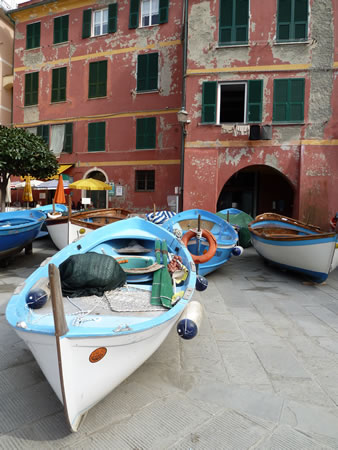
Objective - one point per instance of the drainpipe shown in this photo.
(183, 114)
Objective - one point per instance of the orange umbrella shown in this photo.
(27, 195)
(59, 196)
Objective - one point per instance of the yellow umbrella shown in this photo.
(27, 195)
(90, 184)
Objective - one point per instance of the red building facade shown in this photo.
(102, 82)
(255, 81)
(261, 97)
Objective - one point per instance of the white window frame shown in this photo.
(151, 13)
(218, 111)
(101, 22)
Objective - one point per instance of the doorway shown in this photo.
(98, 198)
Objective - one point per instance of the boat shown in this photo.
(69, 228)
(240, 220)
(17, 231)
(217, 244)
(99, 340)
(295, 245)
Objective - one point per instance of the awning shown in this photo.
(62, 168)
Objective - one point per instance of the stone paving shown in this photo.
(262, 373)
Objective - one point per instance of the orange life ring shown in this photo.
(200, 259)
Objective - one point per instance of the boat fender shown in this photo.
(54, 215)
(190, 321)
(201, 283)
(200, 259)
(36, 298)
(237, 250)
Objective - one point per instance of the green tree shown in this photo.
(23, 154)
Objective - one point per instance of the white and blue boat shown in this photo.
(88, 344)
(292, 244)
(209, 252)
(17, 231)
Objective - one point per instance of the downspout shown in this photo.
(183, 104)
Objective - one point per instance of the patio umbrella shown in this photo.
(59, 196)
(90, 184)
(27, 195)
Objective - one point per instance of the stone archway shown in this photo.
(98, 198)
(258, 189)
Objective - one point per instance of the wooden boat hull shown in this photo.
(17, 230)
(294, 245)
(224, 234)
(68, 357)
(66, 230)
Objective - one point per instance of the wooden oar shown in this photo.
(198, 239)
(166, 289)
(155, 292)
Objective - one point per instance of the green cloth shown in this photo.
(155, 292)
(240, 220)
(166, 289)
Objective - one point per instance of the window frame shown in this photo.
(61, 29)
(218, 104)
(33, 93)
(150, 15)
(292, 24)
(58, 89)
(146, 182)
(93, 148)
(32, 26)
(95, 11)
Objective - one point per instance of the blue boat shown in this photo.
(240, 220)
(225, 235)
(58, 207)
(17, 231)
(87, 344)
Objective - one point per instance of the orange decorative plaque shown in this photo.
(97, 354)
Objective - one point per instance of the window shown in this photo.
(43, 131)
(97, 79)
(33, 35)
(236, 102)
(96, 136)
(31, 88)
(233, 22)
(292, 20)
(59, 81)
(147, 72)
(146, 133)
(100, 21)
(145, 180)
(61, 29)
(61, 138)
(153, 12)
(288, 100)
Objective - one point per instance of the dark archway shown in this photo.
(98, 198)
(258, 189)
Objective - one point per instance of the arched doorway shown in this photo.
(98, 198)
(258, 189)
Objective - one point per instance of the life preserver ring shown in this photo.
(200, 259)
(333, 223)
(54, 215)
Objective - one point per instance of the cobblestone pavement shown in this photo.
(262, 373)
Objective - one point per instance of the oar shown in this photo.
(166, 290)
(155, 292)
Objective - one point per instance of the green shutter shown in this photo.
(292, 20)
(164, 10)
(61, 29)
(112, 18)
(59, 83)
(209, 98)
(86, 23)
(225, 22)
(97, 79)
(68, 140)
(33, 35)
(240, 33)
(43, 131)
(146, 133)
(96, 136)
(255, 96)
(142, 72)
(234, 20)
(31, 88)
(152, 71)
(301, 18)
(288, 100)
(133, 13)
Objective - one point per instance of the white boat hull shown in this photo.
(85, 383)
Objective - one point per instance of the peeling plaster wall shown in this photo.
(315, 60)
